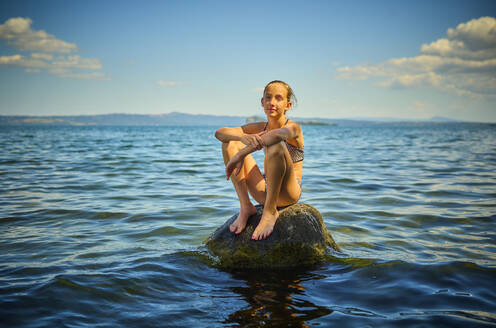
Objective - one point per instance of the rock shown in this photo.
(299, 238)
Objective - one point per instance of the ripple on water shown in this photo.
(102, 226)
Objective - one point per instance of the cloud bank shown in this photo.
(464, 62)
(17, 33)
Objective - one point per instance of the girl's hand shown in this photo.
(236, 163)
(253, 140)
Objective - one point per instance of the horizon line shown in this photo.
(366, 118)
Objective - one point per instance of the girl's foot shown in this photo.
(266, 225)
(240, 223)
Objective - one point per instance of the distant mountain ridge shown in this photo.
(173, 118)
(176, 118)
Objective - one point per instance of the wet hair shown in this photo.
(291, 95)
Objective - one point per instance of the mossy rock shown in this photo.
(299, 238)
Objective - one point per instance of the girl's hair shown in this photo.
(291, 95)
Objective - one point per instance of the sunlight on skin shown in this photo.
(238, 143)
(240, 223)
(266, 226)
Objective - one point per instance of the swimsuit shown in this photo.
(295, 152)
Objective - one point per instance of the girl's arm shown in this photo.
(229, 134)
(247, 134)
(290, 131)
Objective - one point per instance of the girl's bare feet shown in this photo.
(240, 223)
(266, 225)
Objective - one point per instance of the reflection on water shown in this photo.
(275, 299)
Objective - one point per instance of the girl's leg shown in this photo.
(282, 188)
(229, 149)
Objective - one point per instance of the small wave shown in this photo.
(342, 180)
(167, 161)
(351, 230)
(124, 198)
(159, 232)
(380, 214)
(368, 186)
(455, 193)
(479, 316)
(357, 312)
(355, 244)
(108, 215)
(183, 171)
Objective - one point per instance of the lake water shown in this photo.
(104, 227)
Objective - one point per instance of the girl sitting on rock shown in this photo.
(282, 140)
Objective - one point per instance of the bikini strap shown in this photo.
(265, 127)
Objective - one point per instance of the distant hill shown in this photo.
(173, 118)
(176, 118)
(443, 119)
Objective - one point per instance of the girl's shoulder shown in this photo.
(295, 124)
(297, 141)
(252, 128)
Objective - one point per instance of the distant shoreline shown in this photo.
(182, 119)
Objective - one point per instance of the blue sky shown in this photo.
(405, 59)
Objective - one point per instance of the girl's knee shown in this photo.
(276, 150)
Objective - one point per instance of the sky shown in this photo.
(343, 59)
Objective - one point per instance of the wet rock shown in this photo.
(299, 238)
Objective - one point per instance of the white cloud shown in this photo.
(17, 32)
(441, 64)
(19, 60)
(42, 56)
(62, 66)
(477, 34)
(412, 80)
(77, 62)
(65, 73)
(169, 83)
(464, 63)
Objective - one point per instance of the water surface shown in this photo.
(104, 226)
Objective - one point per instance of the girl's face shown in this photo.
(275, 100)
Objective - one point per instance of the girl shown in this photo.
(282, 141)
